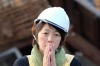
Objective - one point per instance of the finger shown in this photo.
(46, 49)
(46, 60)
(52, 57)
(47, 52)
(53, 47)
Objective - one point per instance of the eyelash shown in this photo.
(57, 34)
(54, 34)
(45, 33)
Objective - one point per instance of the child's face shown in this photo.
(48, 36)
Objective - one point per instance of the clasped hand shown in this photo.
(49, 56)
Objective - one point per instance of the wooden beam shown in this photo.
(85, 47)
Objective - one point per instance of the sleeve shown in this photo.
(21, 62)
(75, 62)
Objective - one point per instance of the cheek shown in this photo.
(57, 43)
(41, 42)
(41, 39)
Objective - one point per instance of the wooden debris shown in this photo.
(85, 47)
(16, 23)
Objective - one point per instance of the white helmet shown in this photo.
(55, 16)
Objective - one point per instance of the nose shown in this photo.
(50, 39)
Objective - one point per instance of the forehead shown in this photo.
(48, 26)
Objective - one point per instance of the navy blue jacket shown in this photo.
(24, 62)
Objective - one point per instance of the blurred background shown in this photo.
(16, 21)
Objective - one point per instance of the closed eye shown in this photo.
(45, 33)
(57, 34)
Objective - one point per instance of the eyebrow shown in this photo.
(48, 30)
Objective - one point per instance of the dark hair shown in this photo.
(38, 26)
